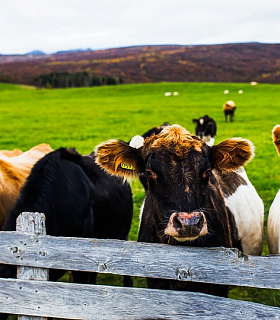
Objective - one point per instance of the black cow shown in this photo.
(78, 198)
(206, 129)
(196, 196)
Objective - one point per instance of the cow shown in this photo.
(206, 129)
(15, 166)
(197, 195)
(229, 109)
(273, 221)
(78, 198)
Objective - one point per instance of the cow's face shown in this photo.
(178, 167)
(203, 127)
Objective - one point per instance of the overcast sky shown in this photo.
(55, 25)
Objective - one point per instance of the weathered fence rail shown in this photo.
(35, 253)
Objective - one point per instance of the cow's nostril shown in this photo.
(200, 223)
(177, 223)
(193, 221)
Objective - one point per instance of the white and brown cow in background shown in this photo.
(196, 195)
(273, 221)
(229, 110)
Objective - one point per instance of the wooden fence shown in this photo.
(33, 295)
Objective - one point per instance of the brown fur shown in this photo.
(174, 139)
(276, 137)
(10, 153)
(13, 173)
(113, 153)
(229, 105)
(231, 154)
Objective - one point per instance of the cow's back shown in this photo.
(14, 170)
(71, 191)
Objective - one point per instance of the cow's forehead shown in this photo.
(175, 139)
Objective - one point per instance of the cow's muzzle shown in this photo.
(184, 226)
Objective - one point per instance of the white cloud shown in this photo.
(52, 25)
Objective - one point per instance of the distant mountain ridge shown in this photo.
(36, 52)
(239, 62)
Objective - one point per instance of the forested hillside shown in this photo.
(144, 64)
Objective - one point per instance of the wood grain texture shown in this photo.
(91, 302)
(33, 297)
(33, 223)
(215, 265)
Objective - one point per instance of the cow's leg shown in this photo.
(7, 271)
(84, 277)
(127, 281)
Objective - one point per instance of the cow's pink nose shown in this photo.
(183, 219)
(186, 226)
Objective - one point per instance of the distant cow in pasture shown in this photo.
(15, 166)
(206, 129)
(273, 222)
(78, 198)
(229, 110)
(197, 195)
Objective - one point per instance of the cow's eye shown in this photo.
(206, 173)
(151, 174)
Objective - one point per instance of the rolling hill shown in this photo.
(240, 62)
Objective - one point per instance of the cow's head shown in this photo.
(205, 129)
(276, 137)
(202, 125)
(179, 169)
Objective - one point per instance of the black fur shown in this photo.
(205, 126)
(78, 198)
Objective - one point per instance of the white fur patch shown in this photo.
(136, 142)
(201, 121)
(209, 140)
(248, 210)
(273, 225)
(141, 213)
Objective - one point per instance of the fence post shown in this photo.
(34, 223)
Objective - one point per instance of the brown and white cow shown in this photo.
(197, 195)
(273, 221)
(229, 109)
(13, 172)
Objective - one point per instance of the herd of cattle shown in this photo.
(196, 195)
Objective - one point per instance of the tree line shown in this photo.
(74, 80)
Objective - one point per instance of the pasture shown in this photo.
(82, 118)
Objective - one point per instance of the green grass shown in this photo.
(84, 117)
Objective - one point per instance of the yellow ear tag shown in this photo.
(127, 166)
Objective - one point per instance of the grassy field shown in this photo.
(82, 118)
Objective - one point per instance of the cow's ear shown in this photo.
(276, 137)
(231, 154)
(118, 158)
(195, 120)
